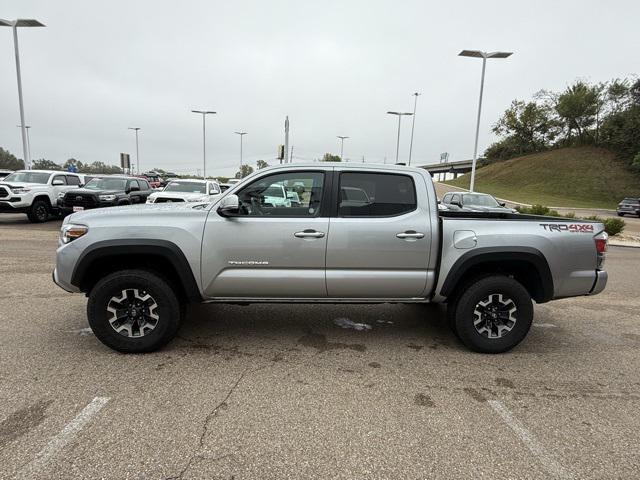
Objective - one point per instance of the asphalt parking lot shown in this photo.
(281, 391)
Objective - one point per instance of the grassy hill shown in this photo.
(568, 177)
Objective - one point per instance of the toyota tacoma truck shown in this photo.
(140, 265)
(35, 192)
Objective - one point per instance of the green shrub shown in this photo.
(613, 226)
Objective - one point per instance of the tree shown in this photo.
(9, 161)
(260, 164)
(331, 158)
(44, 164)
(245, 170)
(529, 126)
(578, 107)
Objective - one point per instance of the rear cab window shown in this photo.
(364, 194)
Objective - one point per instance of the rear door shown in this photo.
(271, 249)
(379, 242)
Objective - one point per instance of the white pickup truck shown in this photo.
(36, 192)
(388, 243)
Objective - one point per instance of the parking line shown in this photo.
(535, 447)
(67, 434)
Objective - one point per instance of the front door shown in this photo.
(380, 241)
(275, 247)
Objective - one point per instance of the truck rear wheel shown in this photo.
(133, 311)
(39, 211)
(492, 315)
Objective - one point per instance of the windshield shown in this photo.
(106, 184)
(274, 191)
(28, 177)
(186, 187)
(479, 200)
(630, 201)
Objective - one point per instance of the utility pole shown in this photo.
(400, 115)
(286, 139)
(137, 151)
(341, 137)
(413, 124)
(204, 113)
(242, 134)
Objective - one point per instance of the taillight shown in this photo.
(602, 239)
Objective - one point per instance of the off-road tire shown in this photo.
(466, 310)
(167, 308)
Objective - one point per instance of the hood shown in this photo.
(93, 191)
(479, 208)
(23, 185)
(145, 210)
(184, 195)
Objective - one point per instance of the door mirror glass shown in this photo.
(213, 191)
(230, 205)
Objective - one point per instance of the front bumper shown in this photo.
(600, 283)
(62, 285)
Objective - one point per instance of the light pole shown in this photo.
(484, 56)
(28, 139)
(341, 146)
(21, 22)
(413, 124)
(204, 114)
(242, 134)
(399, 114)
(137, 151)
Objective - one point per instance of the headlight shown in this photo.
(20, 190)
(107, 198)
(61, 194)
(150, 200)
(70, 232)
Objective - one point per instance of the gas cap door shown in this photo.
(464, 239)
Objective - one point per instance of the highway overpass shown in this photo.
(457, 168)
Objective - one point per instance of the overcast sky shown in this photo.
(334, 67)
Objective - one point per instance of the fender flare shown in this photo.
(497, 255)
(134, 247)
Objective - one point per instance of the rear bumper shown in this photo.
(600, 283)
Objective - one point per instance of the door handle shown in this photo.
(410, 234)
(309, 233)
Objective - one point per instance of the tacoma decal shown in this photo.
(572, 227)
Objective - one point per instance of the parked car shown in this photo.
(139, 266)
(4, 173)
(35, 192)
(475, 202)
(629, 206)
(190, 190)
(106, 191)
(154, 180)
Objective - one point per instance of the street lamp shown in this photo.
(28, 139)
(204, 114)
(242, 134)
(341, 146)
(21, 22)
(399, 114)
(137, 151)
(413, 124)
(484, 56)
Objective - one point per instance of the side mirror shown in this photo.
(213, 191)
(133, 188)
(229, 206)
(439, 202)
(57, 182)
(456, 203)
(503, 204)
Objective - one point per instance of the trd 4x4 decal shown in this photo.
(572, 227)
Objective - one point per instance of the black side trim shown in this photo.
(133, 247)
(501, 255)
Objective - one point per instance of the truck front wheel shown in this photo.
(492, 315)
(39, 211)
(133, 311)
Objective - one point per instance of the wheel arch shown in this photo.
(526, 264)
(159, 256)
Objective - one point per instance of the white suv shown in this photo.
(35, 192)
(187, 190)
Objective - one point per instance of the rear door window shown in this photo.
(375, 194)
(72, 180)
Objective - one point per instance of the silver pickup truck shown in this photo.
(358, 234)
